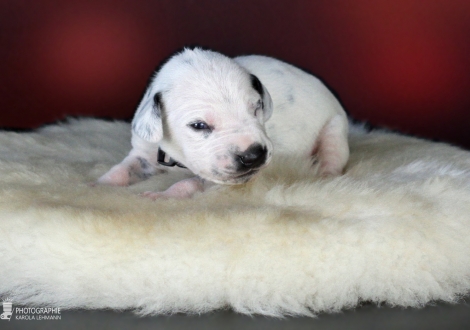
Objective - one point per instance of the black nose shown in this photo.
(253, 157)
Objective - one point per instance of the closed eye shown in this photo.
(200, 126)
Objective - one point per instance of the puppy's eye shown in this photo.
(200, 126)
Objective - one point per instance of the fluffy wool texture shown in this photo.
(395, 229)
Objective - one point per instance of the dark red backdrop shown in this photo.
(404, 64)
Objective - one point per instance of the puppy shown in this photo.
(222, 119)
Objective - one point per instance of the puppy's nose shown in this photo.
(253, 157)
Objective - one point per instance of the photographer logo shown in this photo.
(29, 313)
(7, 307)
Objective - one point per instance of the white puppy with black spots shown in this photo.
(223, 118)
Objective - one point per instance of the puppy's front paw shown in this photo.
(180, 190)
(118, 175)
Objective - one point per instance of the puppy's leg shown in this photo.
(181, 189)
(332, 146)
(140, 164)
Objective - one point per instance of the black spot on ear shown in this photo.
(157, 104)
(256, 84)
(160, 111)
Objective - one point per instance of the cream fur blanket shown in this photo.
(395, 229)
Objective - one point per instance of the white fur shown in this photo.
(294, 114)
(394, 229)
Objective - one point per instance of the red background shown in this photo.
(403, 64)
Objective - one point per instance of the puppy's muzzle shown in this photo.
(252, 158)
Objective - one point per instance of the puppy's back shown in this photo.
(302, 103)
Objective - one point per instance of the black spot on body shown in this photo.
(144, 163)
(136, 175)
(290, 98)
(141, 170)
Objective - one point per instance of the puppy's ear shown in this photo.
(265, 97)
(147, 122)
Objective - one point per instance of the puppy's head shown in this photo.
(208, 113)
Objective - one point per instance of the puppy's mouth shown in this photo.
(230, 176)
(245, 176)
(239, 178)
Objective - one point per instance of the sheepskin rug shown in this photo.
(394, 229)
